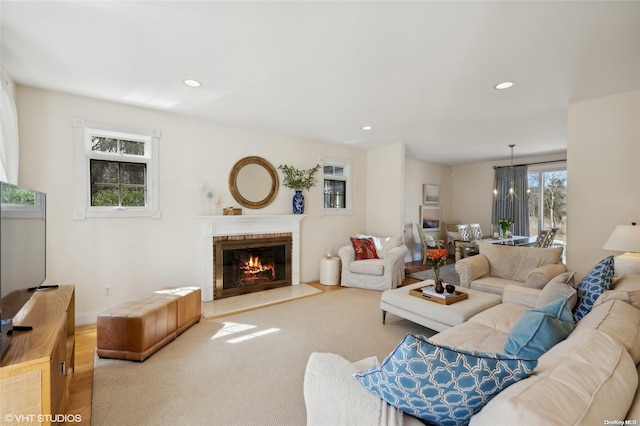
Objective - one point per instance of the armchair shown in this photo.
(384, 273)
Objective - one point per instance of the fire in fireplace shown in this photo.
(248, 265)
(254, 271)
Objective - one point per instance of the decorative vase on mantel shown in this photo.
(298, 180)
(298, 202)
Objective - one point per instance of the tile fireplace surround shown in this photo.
(216, 226)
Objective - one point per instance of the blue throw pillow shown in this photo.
(538, 330)
(592, 285)
(439, 384)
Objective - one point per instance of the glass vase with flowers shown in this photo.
(437, 259)
(505, 224)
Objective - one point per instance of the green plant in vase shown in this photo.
(505, 224)
(298, 180)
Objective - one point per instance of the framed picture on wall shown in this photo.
(430, 216)
(430, 194)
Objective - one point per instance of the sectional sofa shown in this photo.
(589, 377)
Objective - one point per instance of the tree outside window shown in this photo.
(548, 201)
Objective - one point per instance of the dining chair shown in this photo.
(465, 232)
(545, 237)
(466, 246)
(476, 231)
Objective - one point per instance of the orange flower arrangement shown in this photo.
(437, 258)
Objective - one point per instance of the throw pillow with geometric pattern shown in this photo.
(592, 285)
(439, 384)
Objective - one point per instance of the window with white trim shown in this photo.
(336, 186)
(116, 171)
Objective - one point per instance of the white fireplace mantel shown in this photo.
(215, 226)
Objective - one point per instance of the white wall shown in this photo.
(385, 190)
(603, 174)
(136, 256)
(417, 173)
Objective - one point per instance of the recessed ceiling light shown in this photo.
(367, 127)
(192, 83)
(504, 85)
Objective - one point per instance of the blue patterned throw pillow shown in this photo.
(592, 285)
(439, 384)
(538, 330)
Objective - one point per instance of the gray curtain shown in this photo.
(511, 206)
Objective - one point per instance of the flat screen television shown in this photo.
(22, 252)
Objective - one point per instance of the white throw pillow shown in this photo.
(333, 396)
(559, 286)
(454, 235)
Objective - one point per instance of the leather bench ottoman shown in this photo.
(135, 330)
(188, 301)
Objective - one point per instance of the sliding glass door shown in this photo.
(548, 199)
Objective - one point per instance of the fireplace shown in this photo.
(251, 263)
(221, 228)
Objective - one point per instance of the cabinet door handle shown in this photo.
(63, 368)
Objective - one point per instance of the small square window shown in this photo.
(118, 184)
(117, 172)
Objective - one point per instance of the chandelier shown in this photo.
(511, 193)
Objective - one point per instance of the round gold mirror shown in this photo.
(253, 182)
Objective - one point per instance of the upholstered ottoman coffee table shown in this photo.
(434, 315)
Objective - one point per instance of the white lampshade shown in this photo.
(625, 238)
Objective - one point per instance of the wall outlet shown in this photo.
(107, 290)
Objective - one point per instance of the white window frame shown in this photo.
(540, 169)
(347, 166)
(84, 130)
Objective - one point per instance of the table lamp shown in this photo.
(625, 238)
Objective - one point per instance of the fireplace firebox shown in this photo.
(250, 265)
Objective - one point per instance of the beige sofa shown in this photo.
(589, 378)
(498, 266)
(380, 274)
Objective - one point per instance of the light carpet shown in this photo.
(237, 304)
(244, 369)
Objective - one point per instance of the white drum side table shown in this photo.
(330, 270)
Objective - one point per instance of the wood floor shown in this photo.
(82, 380)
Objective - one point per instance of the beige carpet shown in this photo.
(236, 304)
(244, 369)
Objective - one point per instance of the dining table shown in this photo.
(515, 240)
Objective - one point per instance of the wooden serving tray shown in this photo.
(457, 296)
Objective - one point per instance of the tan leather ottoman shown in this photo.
(135, 330)
(188, 301)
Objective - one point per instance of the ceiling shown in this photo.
(420, 73)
